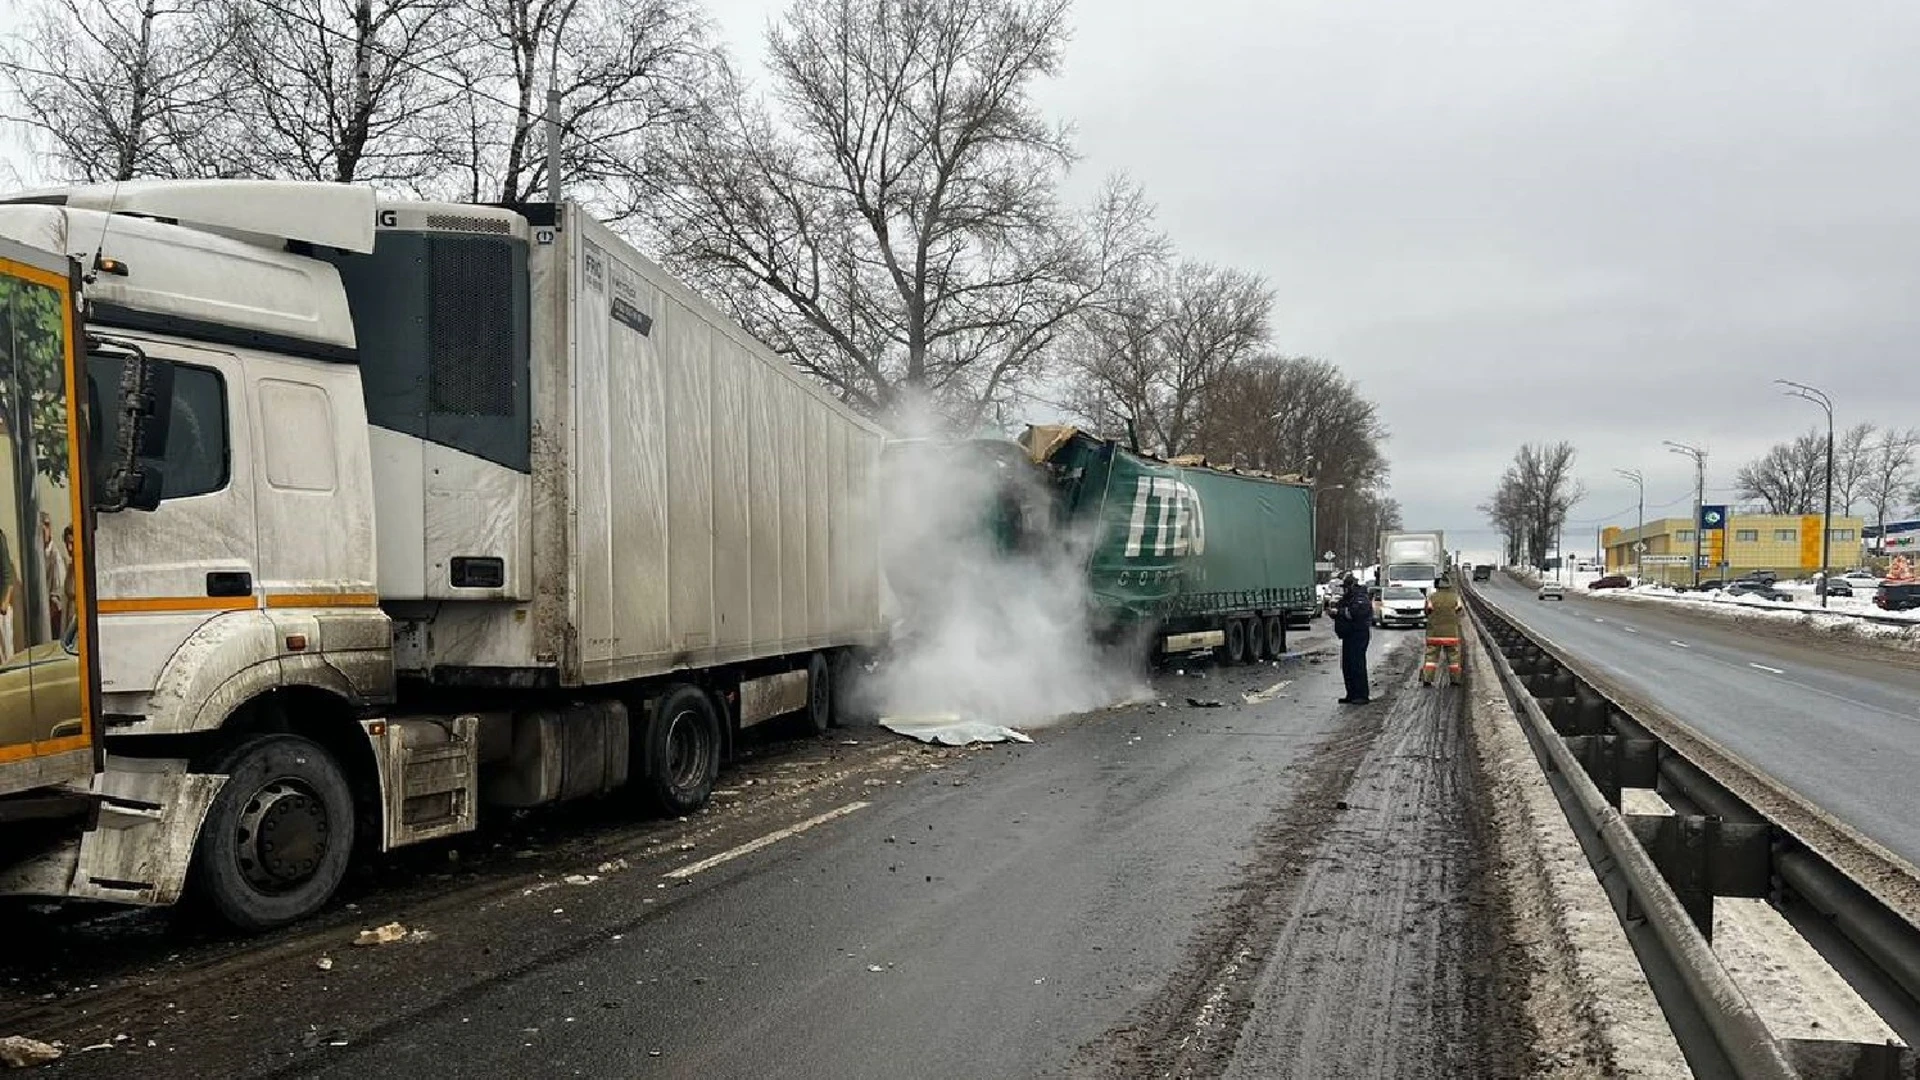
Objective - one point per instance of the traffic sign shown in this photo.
(1713, 518)
(1663, 560)
(1641, 546)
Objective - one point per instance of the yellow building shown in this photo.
(1787, 544)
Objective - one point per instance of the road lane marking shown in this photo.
(768, 840)
(1597, 618)
(1680, 644)
(1770, 670)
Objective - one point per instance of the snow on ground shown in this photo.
(1903, 633)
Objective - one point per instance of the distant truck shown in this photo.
(1192, 555)
(388, 511)
(1414, 559)
(1483, 572)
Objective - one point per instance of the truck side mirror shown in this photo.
(144, 486)
(156, 416)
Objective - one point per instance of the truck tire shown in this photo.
(847, 672)
(278, 837)
(819, 694)
(1236, 641)
(1256, 639)
(1276, 636)
(680, 753)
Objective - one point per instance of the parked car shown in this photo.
(1709, 585)
(1612, 581)
(1400, 605)
(1859, 578)
(1552, 590)
(1897, 595)
(1759, 589)
(1832, 587)
(1764, 577)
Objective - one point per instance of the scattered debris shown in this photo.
(612, 866)
(325, 963)
(314, 1038)
(20, 1052)
(875, 968)
(95, 1046)
(582, 879)
(1204, 703)
(948, 729)
(382, 935)
(1258, 696)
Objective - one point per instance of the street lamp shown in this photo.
(1818, 397)
(1699, 457)
(1639, 530)
(1317, 489)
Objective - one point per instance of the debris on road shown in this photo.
(325, 963)
(1258, 696)
(948, 729)
(382, 935)
(314, 1038)
(582, 879)
(1204, 703)
(612, 866)
(20, 1052)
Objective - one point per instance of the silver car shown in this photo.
(1552, 590)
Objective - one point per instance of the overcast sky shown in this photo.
(1518, 220)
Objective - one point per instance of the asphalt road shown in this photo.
(1838, 725)
(1260, 884)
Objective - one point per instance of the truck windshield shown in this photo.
(1412, 572)
(1404, 593)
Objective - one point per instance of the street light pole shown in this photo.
(1699, 457)
(1818, 397)
(1639, 529)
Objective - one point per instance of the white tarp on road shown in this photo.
(949, 729)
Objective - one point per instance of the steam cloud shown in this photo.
(979, 633)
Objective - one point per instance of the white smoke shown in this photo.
(981, 634)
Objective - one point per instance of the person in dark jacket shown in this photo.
(1352, 623)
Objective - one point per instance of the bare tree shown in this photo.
(1153, 353)
(1892, 472)
(114, 89)
(628, 73)
(891, 221)
(1790, 478)
(1531, 502)
(1852, 462)
(1297, 415)
(339, 90)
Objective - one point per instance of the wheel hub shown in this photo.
(283, 836)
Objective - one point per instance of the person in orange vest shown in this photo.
(1443, 634)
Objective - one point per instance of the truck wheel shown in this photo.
(819, 694)
(681, 752)
(1236, 641)
(1256, 639)
(1276, 636)
(278, 836)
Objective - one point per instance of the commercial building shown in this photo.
(1787, 544)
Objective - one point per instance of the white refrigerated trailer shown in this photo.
(459, 505)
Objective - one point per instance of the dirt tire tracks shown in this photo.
(1362, 939)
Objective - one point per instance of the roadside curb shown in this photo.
(1586, 995)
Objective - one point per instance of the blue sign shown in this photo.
(1713, 517)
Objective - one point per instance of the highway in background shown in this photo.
(1838, 726)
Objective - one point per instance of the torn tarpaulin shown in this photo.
(948, 729)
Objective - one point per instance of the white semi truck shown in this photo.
(428, 506)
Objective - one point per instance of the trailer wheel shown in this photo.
(1236, 630)
(819, 694)
(681, 752)
(277, 839)
(1256, 639)
(1276, 636)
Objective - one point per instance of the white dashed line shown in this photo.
(1768, 670)
(774, 837)
(1680, 644)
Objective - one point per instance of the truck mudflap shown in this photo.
(148, 817)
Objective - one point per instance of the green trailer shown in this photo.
(1192, 555)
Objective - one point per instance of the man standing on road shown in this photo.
(1352, 623)
(1443, 634)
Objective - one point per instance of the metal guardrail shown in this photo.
(1662, 873)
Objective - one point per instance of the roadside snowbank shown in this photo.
(1751, 610)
